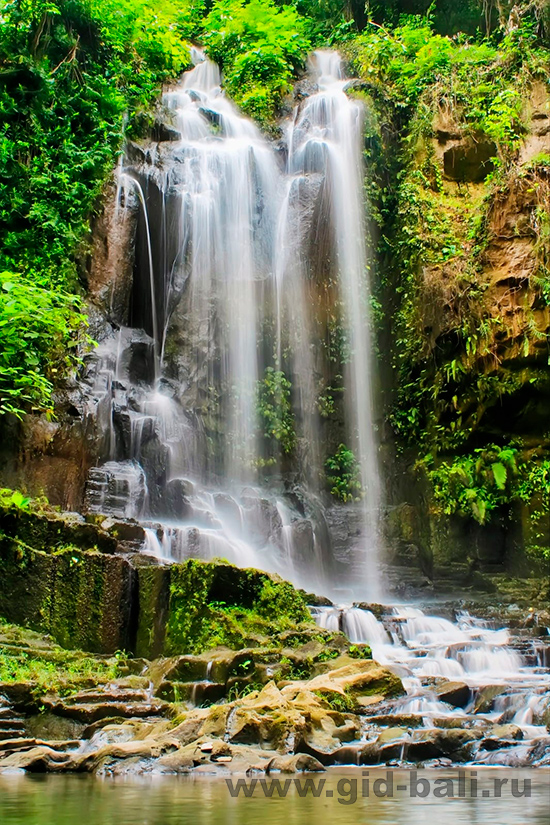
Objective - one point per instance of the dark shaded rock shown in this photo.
(164, 132)
(175, 502)
(303, 544)
(125, 531)
(141, 361)
(316, 601)
(456, 694)
(198, 693)
(470, 160)
(431, 744)
(20, 695)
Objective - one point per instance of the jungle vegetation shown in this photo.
(78, 76)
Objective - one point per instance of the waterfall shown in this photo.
(250, 262)
(325, 138)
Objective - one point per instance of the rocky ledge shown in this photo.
(311, 701)
(69, 711)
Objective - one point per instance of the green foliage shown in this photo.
(14, 498)
(259, 46)
(344, 475)
(70, 72)
(39, 334)
(275, 409)
(47, 667)
(434, 234)
(476, 485)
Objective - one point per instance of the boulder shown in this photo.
(456, 694)
(485, 697)
(355, 679)
(294, 764)
(432, 744)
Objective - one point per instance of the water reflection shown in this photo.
(205, 800)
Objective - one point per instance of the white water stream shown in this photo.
(236, 247)
(426, 651)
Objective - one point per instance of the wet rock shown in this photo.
(303, 548)
(227, 506)
(126, 531)
(164, 132)
(295, 764)
(316, 601)
(506, 732)
(216, 665)
(485, 697)
(20, 695)
(175, 501)
(197, 693)
(49, 727)
(432, 744)
(262, 520)
(103, 759)
(539, 753)
(39, 759)
(100, 707)
(402, 720)
(374, 754)
(456, 694)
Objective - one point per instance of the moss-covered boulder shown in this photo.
(214, 604)
(84, 599)
(46, 529)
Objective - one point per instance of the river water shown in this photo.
(206, 800)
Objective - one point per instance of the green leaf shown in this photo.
(500, 475)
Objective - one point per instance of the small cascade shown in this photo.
(463, 671)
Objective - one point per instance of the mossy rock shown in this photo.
(83, 599)
(214, 604)
(47, 530)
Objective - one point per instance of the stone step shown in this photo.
(26, 743)
(197, 693)
(92, 712)
(92, 697)
(11, 733)
(16, 723)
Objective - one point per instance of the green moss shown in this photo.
(153, 588)
(82, 598)
(360, 651)
(26, 656)
(215, 604)
(337, 701)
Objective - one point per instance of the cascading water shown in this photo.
(248, 259)
(500, 686)
(324, 140)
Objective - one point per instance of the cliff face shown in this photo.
(464, 285)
